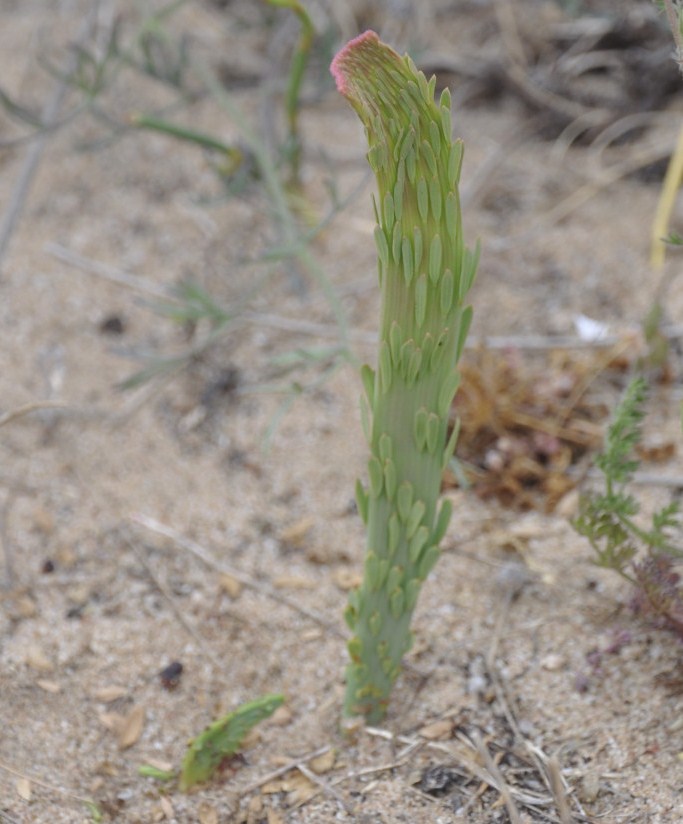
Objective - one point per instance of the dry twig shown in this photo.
(294, 764)
(559, 790)
(164, 590)
(246, 580)
(326, 788)
(50, 787)
(462, 751)
(13, 414)
(103, 270)
(500, 783)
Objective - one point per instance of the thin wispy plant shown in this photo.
(153, 50)
(293, 147)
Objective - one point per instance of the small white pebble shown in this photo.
(553, 662)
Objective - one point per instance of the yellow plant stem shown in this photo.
(667, 199)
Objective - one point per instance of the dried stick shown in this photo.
(294, 764)
(500, 783)
(44, 784)
(246, 580)
(13, 414)
(104, 270)
(558, 789)
(164, 590)
(326, 788)
(611, 175)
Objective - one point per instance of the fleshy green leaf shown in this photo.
(222, 739)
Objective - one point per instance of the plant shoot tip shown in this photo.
(337, 67)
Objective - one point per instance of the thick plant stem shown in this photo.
(425, 273)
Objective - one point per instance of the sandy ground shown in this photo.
(528, 667)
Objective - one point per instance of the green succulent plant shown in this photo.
(222, 739)
(425, 272)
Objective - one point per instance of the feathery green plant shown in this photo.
(425, 272)
(644, 557)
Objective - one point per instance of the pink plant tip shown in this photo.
(337, 67)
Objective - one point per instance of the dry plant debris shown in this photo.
(596, 68)
(528, 427)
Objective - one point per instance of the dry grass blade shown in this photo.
(294, 764)
(325, 787)
(498, 780)
(559, 790)
(463, 751)
(617, 131)
(111, 273)
(164, 590)
(639, 159)
(548, 768)
(246, 580)
(549, 101)
(49, 787)
(14, 414)
(514, 45)
(665, 206)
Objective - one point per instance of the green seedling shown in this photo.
(222, 739)
(607, 518)
(425, 273)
